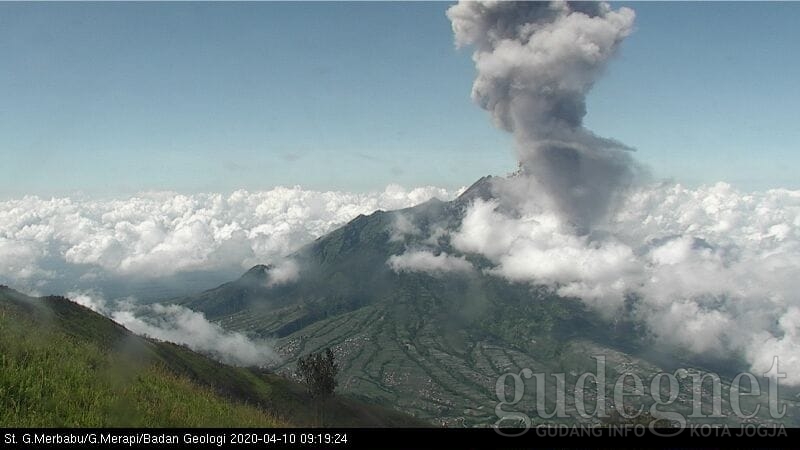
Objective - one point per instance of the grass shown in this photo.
(51, 379)
(62, 365)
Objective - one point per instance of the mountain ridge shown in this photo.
(91, 371)
(433, 345)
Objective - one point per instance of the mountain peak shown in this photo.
(257, 272)
(482, 189)
(260, 268)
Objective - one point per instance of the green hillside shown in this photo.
(64, 365)
(433, 346)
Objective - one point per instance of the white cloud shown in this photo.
(539, 247)
(425, 261)
(715, 269)
(402, 226)
(156, 235)
(20, 259)
(90, 300)
(787, 347)
(180, 325)
(286, 271)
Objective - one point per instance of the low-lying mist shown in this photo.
(181, 325)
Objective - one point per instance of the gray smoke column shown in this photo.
(535, 62)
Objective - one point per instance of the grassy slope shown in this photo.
(64, 365)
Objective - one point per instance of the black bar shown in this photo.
(394, 438)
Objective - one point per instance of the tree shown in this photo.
(318, 371)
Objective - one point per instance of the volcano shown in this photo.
(433, 344)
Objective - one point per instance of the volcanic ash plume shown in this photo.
(536, 61)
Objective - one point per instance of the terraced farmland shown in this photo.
(434, 346)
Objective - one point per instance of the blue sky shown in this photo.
(111, 99)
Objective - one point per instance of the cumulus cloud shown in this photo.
(180, 325)
(20, 259)
(713, 269)
(425, 261)
(787, 347)
(157, 235)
